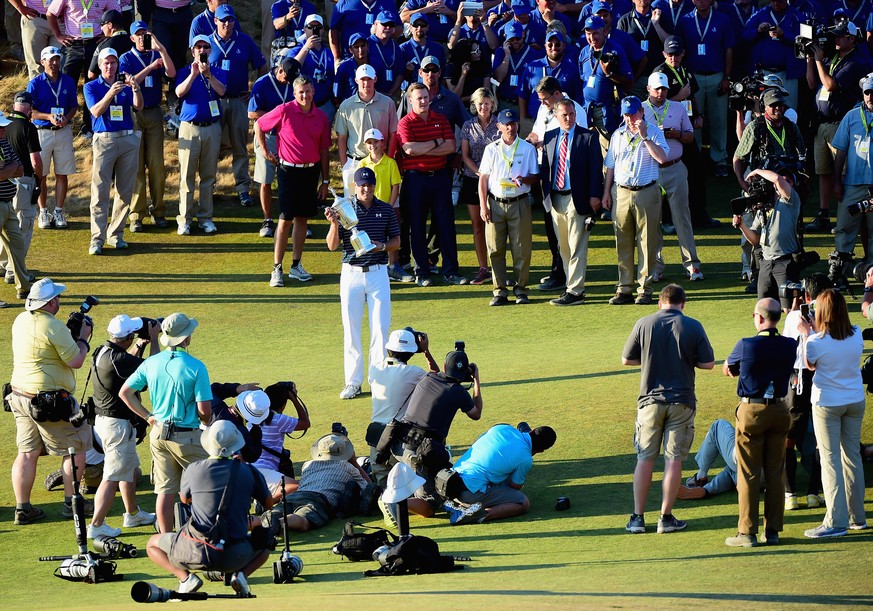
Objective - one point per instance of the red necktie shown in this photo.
(562, 163)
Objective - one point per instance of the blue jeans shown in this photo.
(719, 441)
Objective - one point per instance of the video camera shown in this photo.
(420, 337)
(812, 33)
(74, 322)
(759, 196)
(865, 205)
(746, 93)
(143, 333)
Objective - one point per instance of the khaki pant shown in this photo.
(36, 35)
(572, 241)
(25, 210)
(761, 434)
(235, 131)
(512, 221)
(674, 180)
(198, 154)
(13, 243)
(149, 121)
(113, 158)
(637, 222)
(714, 107)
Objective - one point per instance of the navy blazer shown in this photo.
(586, 167)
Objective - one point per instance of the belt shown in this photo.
(41, 16)
(707, 73)
(288, 164)
(173, 10)
(640, 188)
(119, 134)
(425, 172)
(179, 429)
(51, 128)
(21, 393)
(556, 192)
(669, 163)
(202, 123)
(355, 157)
(365, 268)
(508, 200)
(761, 401)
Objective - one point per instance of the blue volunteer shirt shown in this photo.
(293, 27)
(566, 72)
(413, 53)
(631, 47)
(387, 61)
(48, 95)
(196, 103)
(518, 61)
(775, 53)
(853, 137)
(356, 17)
(234, 57)
(619, 9)
(318, 65)
(478, 35)
(440, 25)
(268, 93)
(380, 224)
(204, 24)
(597, 89)
(671, 12)
(706, 39)
(502, 456)
(742, 59)
(344, 79)
(119, 115)
(176, 384)
(133, 62)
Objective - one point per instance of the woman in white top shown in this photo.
(833, 347)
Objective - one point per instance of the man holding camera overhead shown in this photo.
(181, 400)
(44, 355)
(116, 426)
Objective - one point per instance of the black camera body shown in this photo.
(791, 290)
(420, 336)
(812, 33)
(74, 322)
(865, 205)
(337, 428)
(120, 77)
(760, 197)
(746, 93)
(143, 333)
(610, 59)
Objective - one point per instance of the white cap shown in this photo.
(222, 439)
(313, 17)
(104, 53)
(123, 325)
(42, 292)
(50, 52)
(254, 405)
(373, 134)
(4, 120)
(365, 71)
(401, 340)
(657, 80)
(402, 483)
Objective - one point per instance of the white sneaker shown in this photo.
(45, 218)
(240, 584)
(117, 243)
(192, 584)
(96, 248)
(696, 275)
(184, 229)
(104, 529)
(350, 391)
(208, 227)
(276, 277)
(299, 273)
(140, 518)
(60, 219)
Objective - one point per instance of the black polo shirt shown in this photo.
(847, 72)
(110, 367)
(765, 359)
(24, 139)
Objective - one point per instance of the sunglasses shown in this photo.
(227, 20)
(429, 70)
(388, 25)
(420, 24)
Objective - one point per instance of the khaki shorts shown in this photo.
(236, 555)
(58, 146)
(118, 438)
(310, 505)
(265, 170)
(822, 150)
(169, 458)
(670, 423)
(54, 438)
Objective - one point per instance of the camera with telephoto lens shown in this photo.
(859, 272)
(811, 34)
(419, 336)
(759, 197)
(113, 548)
(746, 93)
(74, 322)
(865, 205)
(337, 428)
(291, 387)
(791, 290)
(610, 60)
(143, 333)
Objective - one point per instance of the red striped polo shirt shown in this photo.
(413, 128)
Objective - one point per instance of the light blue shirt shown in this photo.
(630, 158)
(176, 382)
(852, 133)
(502, 455)
(561, 136)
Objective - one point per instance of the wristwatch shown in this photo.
(325, 182)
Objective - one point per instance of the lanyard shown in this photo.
(387, 65)
(139, 57)
(858, 12)
(224, 52)
(836, 62)
(57, 91)
(778, 21)
(674, 15)
(86, 7)
(633, 143)
(369, 7)
(208, 86)
(740, 15)
(520, 62)
(640, 25)
(284, 95)
(556, 73)
(781, 140)
(321, 60)
(702, 33)
(867, 126)
(660, 119)
(108, 87)
(509, 160)
(415, 50)
(676, 74)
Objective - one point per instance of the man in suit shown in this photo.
(572, 178)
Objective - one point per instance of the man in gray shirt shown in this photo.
(775, 229)
(668, 346)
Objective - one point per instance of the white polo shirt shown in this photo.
(503, 163)
(391, 384)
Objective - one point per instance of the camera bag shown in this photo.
(358, 546)
(286, 466)
(54, 406)
(414, 555)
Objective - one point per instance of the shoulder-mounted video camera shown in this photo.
(745, 94)
(74, 322)
(812, 33)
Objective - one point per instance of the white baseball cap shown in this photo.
(254, 405)
(401, 340)
(104, 53)
(658, 80)
(314, 17)
(123, 325)
(50, 52)
(373, 134)
(4, 120)
(365, 71)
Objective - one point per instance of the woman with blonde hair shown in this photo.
(832, 348)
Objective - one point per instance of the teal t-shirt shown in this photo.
(176, 382)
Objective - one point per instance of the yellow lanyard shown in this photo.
(834, 63)
(86, 7)
(678, 78)
(781, 140)
(864, 120)
(659, 120)
(509, 160)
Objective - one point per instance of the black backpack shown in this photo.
(357, 546)
(413, 555)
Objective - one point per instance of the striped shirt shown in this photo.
(413, 128)
(670, 115)
(380, 223)
(75, 14)
(633, 164)
(8, 188)
(329, 478)
(273, 437)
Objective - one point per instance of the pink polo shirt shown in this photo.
(74, 14)
(172, 4)
(301, 136)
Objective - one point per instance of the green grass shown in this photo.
(546, 365)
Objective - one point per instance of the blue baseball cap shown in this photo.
(506, 116)
(867, 83)
(355, 38)
(594, 23)
(631, 105)
(673, 44)
(513, 29)
(387, 17)
(201, 38)
(600, 5)
(365, 176)
(418, 17)
(224, 11)
(521, 8)
(550, 34)
(136, 26)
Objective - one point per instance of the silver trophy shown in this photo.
(348, 218)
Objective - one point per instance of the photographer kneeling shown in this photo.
(117, 426)
(220, 490)
(774, 227)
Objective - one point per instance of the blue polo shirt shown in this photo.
(48, 95)
(95, 91)
(318, 65)
(411, 52)
(294, 27)
(742, 59)
(357, 17)
(846, 72)
(619, 9)
(440, 25)
(234, 57)
(717, 36)
(204, 23)
(632, 48)
(344, 79)
(536, 17)
(671, 12)
(176, 384)
(268, 93)
(508, 89)
(195, 104)
(853, 137)
(596, 87)
(775, 54)
(765, 360)
(387, 61)
(134, 62)
(478, 35)
(380, 224)
(503, 455)
(566, 72)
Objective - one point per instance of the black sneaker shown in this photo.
(28, 516)
(644, 299)
(637, 524)
(498, 300)
(668, 524)
(568, 299)
(550, 284)
(821, 223)
(621, 299)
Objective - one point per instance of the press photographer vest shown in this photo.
(764, 139)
